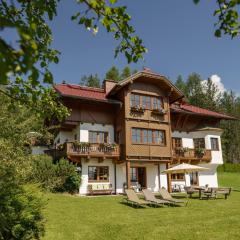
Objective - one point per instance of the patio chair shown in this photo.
(168, 197)
(149, 196)
(133, 198)
(208, 193)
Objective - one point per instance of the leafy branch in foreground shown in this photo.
(228, 17)
(116, 20)
(24, 72)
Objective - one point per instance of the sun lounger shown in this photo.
(168, 197)
(133, 198)
(149, 196)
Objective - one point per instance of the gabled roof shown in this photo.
(175, 95)
(186, 108)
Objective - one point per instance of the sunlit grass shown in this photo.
(72, 217)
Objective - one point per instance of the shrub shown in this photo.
(229, 167)
(59, 177)
(21, 206)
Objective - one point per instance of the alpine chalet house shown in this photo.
(127, 133)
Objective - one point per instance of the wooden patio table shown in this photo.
(200, 189)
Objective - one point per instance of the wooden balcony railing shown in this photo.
(92, 149)
(190, 153)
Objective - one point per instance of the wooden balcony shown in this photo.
(92, 150)
(190, 154)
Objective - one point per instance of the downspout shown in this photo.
(115, 177)
(159, 180)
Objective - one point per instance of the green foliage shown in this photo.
(17, 121)
(21, 205)
(113, 74)
(115, 20)
(90, 81)
(59, 177)
(229, 167)
(126, 72)
(24, 72)
(227, 13)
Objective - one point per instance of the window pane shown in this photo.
(159, 137)
(92, 137)
(199, 142)
(214, 144)
(157, 103)
(135, 100)
(146, 102)
(150, 136)
(133, 174)
(92, 173)
(103, 173)
(145, 136)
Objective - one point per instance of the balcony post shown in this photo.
(168, 179)
(128, 178)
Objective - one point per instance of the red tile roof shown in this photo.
(185, 107)
(71, 90)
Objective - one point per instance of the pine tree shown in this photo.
(113, 74)
(180, 84)
(126, 72)
(90, 81)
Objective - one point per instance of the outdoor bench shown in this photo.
(100, 188)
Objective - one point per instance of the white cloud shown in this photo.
(217, 81)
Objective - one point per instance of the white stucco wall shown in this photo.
(82, 131)
(187, 141)
(36, 150)
(209, 177)
(86, 127)
(94, 162)
(187, 138)
(163, 176)
(64, 136)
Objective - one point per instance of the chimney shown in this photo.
(108, 85)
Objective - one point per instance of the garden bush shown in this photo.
(229, 167)
(21, 205)
(55, 177)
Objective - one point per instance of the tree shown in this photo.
(228, 21)
(90, 81)
(113, 74)
(24, 73)
(21, 205)
(126, 72)
(180, 84)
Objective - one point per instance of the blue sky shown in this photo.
(179, 36)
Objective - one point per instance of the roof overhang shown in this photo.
(173, 92)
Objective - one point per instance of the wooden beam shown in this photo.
(178, 121)
(169, 179)
(128, 177)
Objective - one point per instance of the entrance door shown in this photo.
(142, 177)
(138, 174)
(194, 178)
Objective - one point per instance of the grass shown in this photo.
(103, 218)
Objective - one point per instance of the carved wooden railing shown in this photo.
(192, 153)
(92, 149)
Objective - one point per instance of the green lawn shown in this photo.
(71, 217)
